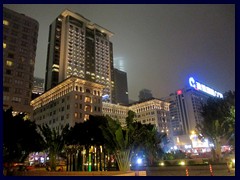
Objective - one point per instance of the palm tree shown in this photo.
(219, 121)
(119, 141)
(54, 141)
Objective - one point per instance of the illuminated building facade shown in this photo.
(185, 112)
(20, 35)
(115, 111)
(71, 101)
(78, 47)
(152, 111)
(120, 88)
(38, 87)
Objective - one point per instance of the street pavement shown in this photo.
(204, 170)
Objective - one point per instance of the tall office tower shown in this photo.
(185, 112)
(120, 88)
(20, 35)
(78, 47)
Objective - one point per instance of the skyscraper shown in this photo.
(185, 111)
(20, 35)
(78, 47)
(121, 87)
(38, 87)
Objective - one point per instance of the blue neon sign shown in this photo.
(198, 86)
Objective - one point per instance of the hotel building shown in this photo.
(71, 101)
(78, 47)
(152, 111)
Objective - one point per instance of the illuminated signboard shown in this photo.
(204, 88)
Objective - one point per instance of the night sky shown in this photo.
(159, 46)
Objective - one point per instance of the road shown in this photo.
(217, 170)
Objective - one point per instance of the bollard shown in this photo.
(187, 174)
(211, 170)
(136, 173)
(228, 168)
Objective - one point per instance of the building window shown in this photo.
(68, 106)
(9, 63)
(75, 114)
(86, 117)
(88, 91)
(16, 99)
(10, 55)
(87, 108)
(6, 89)
(4, 45)
(87, 99)
(5, 22)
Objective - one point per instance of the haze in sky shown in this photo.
(159, 46)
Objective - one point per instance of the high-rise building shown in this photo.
(78, 47)
(20, 35)
(38, 87)
(185, 112)
(120, 88)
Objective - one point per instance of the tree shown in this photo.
(130, 118)
(83, 136)
(219, 121)
(20, 137)
(145, 94)
(151, 143)
(54, 142)
(88, 132)
(229, 123)
(125, 141)
(119, 141)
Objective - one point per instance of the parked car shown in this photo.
(22, 167)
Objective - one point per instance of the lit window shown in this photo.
(87, 108)
(5, 22)
(55, 70)
(75, 114)
(87, 99)
(4, 45)
(86, 117)
(9, 63)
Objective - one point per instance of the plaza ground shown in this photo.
(203, 170)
